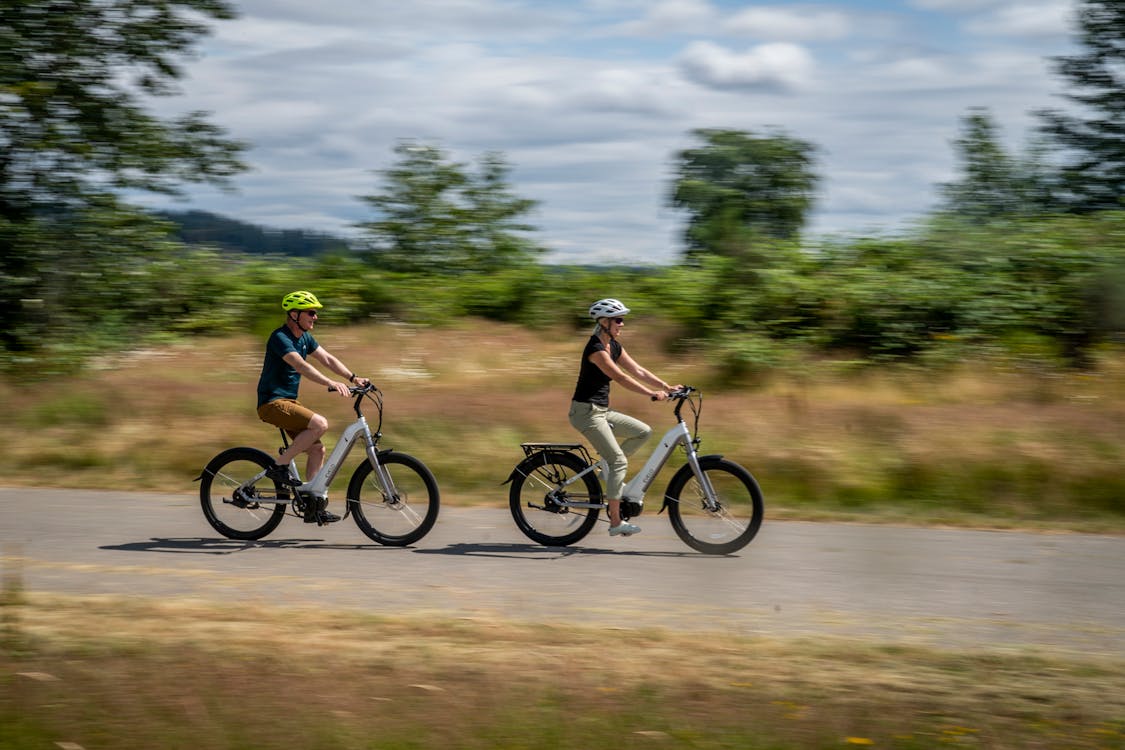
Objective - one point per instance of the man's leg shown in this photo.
(308, 440)
(304, 425)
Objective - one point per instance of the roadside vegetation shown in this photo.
(113, 673)
(999, 442)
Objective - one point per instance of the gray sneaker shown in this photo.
(624, 529)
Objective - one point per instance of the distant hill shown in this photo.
(203, 228)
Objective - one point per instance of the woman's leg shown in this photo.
(602, 428)
(632, 432)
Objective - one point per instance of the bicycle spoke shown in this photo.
(400, 517)
(225, 478)
(736, 520)
(538, 498)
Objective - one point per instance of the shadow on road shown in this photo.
(220, 546)
(540, 552)
(223, 546)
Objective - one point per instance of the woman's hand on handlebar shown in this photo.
(670, 392)
(675, 391)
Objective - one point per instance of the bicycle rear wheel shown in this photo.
(400, 517)
(537, 488)
(249, 513)
(733, 524)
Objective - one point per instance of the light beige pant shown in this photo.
(602, 427)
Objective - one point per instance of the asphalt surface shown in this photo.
(938, 587)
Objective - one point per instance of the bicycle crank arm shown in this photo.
(565, 504)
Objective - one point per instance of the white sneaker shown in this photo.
(624, 529)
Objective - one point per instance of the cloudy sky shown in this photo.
(589, 101)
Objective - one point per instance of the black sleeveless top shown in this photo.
(593, 384)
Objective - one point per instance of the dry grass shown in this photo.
(982, 445)
(137, 674)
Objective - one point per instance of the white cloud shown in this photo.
(671, 17)
(1008, 18)
(789, 24)
(590, 101)
(421, 17)
(1039, 19)
(955, 5)
(774, 66)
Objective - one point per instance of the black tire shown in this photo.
(253, 514)
(741, 507)
(535, 485)
(403, 518)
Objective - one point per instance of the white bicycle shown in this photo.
(714, 504)
(392, 496)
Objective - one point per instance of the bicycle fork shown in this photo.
(390, 494)
(710, 498)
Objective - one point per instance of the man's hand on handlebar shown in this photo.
(344, 389)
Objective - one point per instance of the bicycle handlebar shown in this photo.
(683, 393)
(357, 389)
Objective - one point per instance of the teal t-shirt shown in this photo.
(279, 379)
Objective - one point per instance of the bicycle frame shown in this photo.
(636, 487)
(318, 484)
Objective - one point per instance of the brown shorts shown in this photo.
(287, 414)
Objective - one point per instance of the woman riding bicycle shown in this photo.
(604, 360)
(287, 350)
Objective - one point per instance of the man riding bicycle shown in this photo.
(287, 351)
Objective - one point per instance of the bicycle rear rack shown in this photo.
(530, 449)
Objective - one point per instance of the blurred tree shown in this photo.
(72, 74)
(73, 129)
(742, 190)
(993, 184)
(435, 216)
(1093, 140)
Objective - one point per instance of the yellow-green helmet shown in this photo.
(300, 300)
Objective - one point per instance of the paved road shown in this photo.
(907, 585)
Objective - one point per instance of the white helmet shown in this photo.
(607, 308)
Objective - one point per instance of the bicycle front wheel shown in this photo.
(732, 524)
(398, 515)
(538, 496)
(233, 508)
